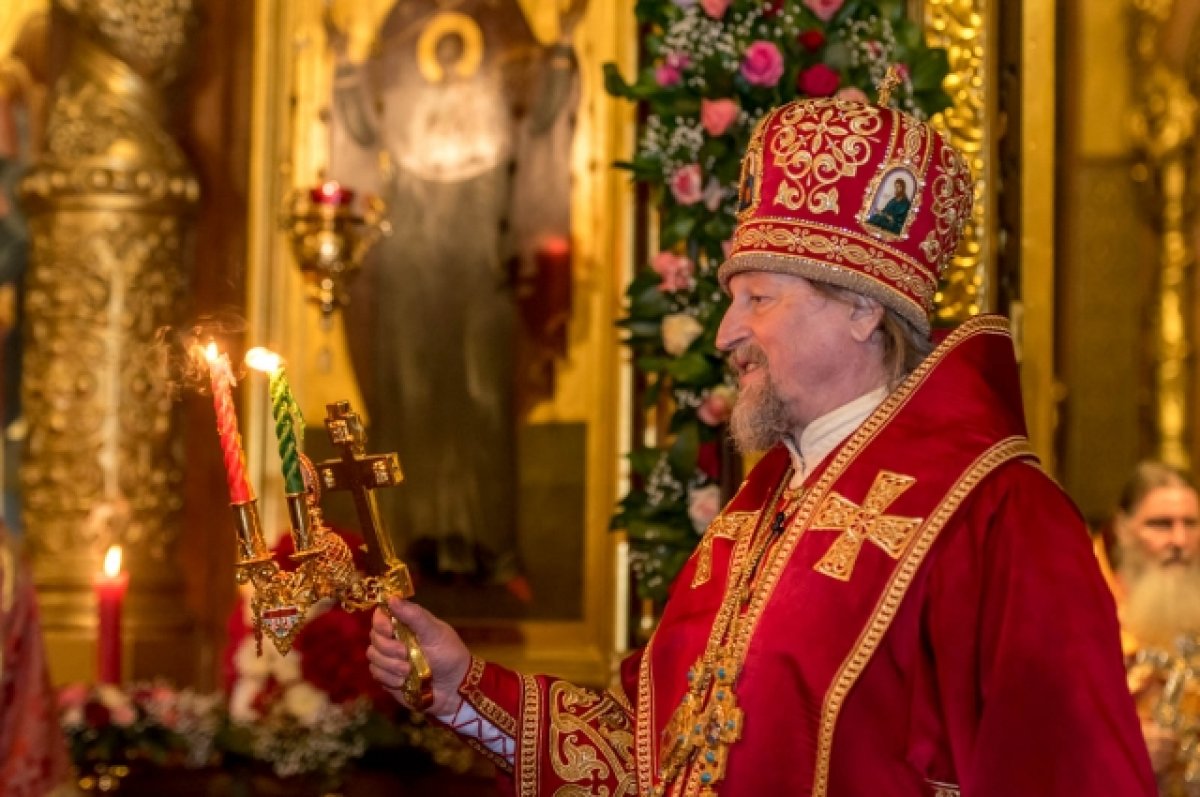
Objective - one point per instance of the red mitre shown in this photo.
(856, 195)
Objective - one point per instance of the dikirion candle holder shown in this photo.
(281, 600)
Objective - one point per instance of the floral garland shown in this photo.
(715, 68)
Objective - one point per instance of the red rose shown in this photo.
(818, 81)
(333, 657)
(811, 40)
(96, 714)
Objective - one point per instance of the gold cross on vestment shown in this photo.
(360, 474)
(866, 522)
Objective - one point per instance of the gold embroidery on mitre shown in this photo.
(817, 144)
(838, 249)
(953, 195)
(727, 526)
(859, 524)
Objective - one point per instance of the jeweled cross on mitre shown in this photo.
(866, 522)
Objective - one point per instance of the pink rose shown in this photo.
(763, 64)
(715, 8)
(675, 271)
(901, 71)
(703, 505)
(718, 115)
(72, 696)
(667, 76)
(687, 185)
(717, 405)
(824, 9)
(853, 94)
(680, 61)
(818, 81)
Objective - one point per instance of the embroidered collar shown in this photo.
(825, 433)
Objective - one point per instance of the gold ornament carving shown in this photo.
(960, 26)
(1164, 131)
(109, 205)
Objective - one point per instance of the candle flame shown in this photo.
(261, 359)
(210, 351)
(112, 561)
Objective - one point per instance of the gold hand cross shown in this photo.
(360, 474)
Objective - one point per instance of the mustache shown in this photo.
(746, 355)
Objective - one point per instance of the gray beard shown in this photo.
(760, 419)
(1163, 601)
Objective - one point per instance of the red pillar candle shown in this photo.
(221, 377)
(110, 596)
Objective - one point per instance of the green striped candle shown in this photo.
(289, 423)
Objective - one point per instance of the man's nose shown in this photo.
(731, 330)
(1181, 534)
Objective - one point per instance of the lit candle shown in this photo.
(331, 192)
(110, 595)
(289, 423)
(221, 375)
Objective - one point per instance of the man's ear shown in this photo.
(866, 315)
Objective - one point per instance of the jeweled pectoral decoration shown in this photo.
(859, 524)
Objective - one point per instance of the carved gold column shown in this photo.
(109, 205)
(1164, 129)
(962, 27)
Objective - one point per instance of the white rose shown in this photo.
(112, 698)
(305, 702)
(241, 700)
(678, 332)
(248, 663)
(703, 505)
(286, 669)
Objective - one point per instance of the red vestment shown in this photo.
(929, 621)
(33, 753)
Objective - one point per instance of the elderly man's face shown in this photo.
(796, 352)
(1166, 525)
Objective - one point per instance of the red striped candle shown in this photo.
(221, 376)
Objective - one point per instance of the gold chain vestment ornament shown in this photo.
(708, 720)
(325, 565)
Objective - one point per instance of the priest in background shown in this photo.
(33, 754)
(1154, 550)
(898, 601)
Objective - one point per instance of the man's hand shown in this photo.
(1162, 743)
(448, 657)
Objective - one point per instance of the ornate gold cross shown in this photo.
(360, 474)
(861, 523)
(886, 86)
